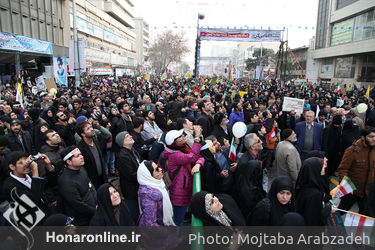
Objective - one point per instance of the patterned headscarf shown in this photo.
(219, 216)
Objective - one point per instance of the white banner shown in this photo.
(240, 35)
(293, 103)
(100, 71)
(82, 55)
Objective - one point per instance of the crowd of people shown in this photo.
(154, 135)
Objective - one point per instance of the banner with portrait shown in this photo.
(60, 70)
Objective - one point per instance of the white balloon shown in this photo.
(361, 108)
(239, 129)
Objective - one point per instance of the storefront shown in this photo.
(23, 53)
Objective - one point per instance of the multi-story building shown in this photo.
(108, 30)
(345, 42)
(142, 41)
(31, 33)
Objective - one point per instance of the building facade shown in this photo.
(108, 30)
(142, 41)
(345, 42)
(32, 32)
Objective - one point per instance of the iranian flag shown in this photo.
(346, 187)
(338, 89)
(232, 152)
(359, 225)
(357, 220)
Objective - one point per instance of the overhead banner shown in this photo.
(100, 71)
(24, 44)
(240, 35)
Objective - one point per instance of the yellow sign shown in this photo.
(242, 93)
(188, 75)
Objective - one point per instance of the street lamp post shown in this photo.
(77, 65)
(197, 49)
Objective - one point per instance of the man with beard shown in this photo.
(78, 194)
(160, 116)
(288, 161)
(64, 128)
(358, 163)
(127, 165)
(92, 154)
(237, 114)
(121, 122)
(205, 120)
(150, 128)
(53, 148)
(18, 139)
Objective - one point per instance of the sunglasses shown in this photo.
(180, 139)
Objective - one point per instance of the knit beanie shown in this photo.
(120, 138)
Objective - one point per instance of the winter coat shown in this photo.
(288, 162)
(236, 117)
(182, 186)
(151, 204)
(14, 143)
(220, 134)
(358, 163)
(207, 123)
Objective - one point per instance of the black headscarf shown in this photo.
(277, 209)
(209, 172)
(57, 220)
(309, 177)
(107, 212)
(292, 220)
(230, 208)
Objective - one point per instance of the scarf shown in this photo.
(218, 216)
(144, 178)
(185, 149)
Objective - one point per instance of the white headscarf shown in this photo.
(145, 178)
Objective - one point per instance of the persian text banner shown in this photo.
(240, 35)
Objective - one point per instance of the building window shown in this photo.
(344, 3)
(354, 29)
(345, 67)
(365, 24)
(326, 66)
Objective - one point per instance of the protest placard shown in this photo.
(293, 103)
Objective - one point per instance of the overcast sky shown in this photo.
(292, 14)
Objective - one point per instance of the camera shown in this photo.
(36, 157)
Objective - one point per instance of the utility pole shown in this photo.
(77, 65)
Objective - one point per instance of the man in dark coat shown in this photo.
(64, 128)
(160, 116)
(248, 178)
(78, 193)
(38, 122)
(90, 150)
(222, 129)
(18, 139)
(121, 122)
(205, 120)
(127, 165)
(33, 186)
(309, 135)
